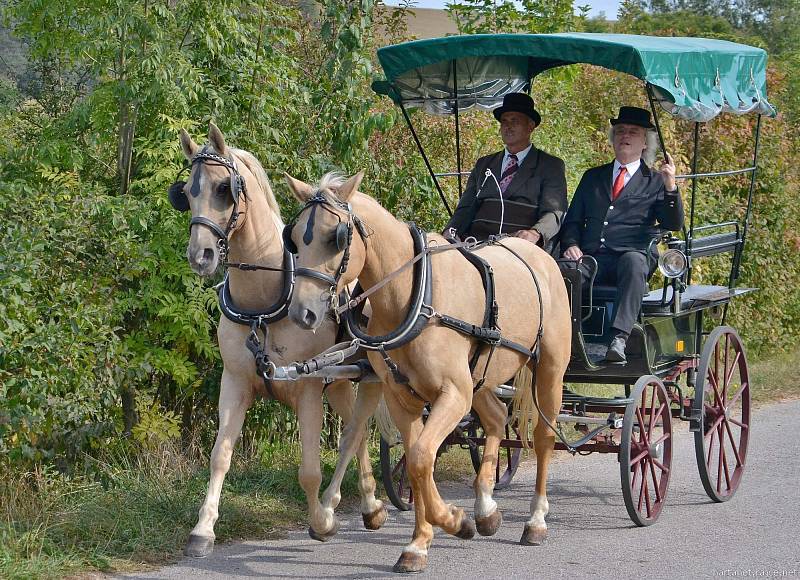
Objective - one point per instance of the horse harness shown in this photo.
(421, 311)
(257, 320)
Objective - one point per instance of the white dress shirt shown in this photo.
(630, 168)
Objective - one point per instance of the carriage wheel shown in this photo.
(721, 409)
(395, 477)
(645, 456)
(507, 461)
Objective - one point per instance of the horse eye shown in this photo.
(223, 189)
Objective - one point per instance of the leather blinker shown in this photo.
(177, 198)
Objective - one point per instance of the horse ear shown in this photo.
(188, 145)
(301, 190)
(349, 187)
(216, 138)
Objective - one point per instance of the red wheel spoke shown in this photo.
(725, 367)
(710, 456)
(654, 419)
(661, 466)
(642, 431)
(714, 426)
(729, 376)
(642, 487)
(647, 497)
(655, 480)
(641, 456)
(738, 423)
(726, 470)
(734, 446)
(636, 473)
(712, 380)
(738, 394)
(720, 459)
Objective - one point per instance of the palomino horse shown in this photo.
(234, 209)
(435, 365)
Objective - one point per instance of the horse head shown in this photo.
(216, 194)
(330, 244)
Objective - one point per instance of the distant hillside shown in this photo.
(430, 23)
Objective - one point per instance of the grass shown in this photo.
(138, 512)
(137, 508)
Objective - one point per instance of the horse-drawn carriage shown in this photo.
(678, 367)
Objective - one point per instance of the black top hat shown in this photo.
(633, 116)
(520, 103)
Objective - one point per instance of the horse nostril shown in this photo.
(309, 318)
(208, 255)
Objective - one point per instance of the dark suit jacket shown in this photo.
(642, 210)
(539, 181)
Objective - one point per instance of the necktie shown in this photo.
(508, 174)
(619, 183)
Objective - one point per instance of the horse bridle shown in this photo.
(343, 238)
(179, 201)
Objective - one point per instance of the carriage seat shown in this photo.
(652, 301)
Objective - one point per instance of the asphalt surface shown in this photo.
(756, 534)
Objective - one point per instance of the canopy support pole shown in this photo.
(653, 109)
(737, 256)
(425, 159)
(458, 133)
(655, 119)
(695, 160)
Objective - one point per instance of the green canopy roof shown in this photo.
(692, 78)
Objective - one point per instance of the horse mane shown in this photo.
(330, 182)
(257, 170)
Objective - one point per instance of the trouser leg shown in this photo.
(632, 272)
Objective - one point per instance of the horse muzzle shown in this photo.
(203, 260)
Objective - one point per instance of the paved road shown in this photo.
(756, 534)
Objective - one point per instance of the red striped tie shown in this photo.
(508, 174)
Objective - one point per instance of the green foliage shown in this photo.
(533, 16)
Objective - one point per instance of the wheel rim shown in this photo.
(722, 413)
(395, 477)
(646, 451)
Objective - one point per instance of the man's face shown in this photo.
(515, 130)
(629, 142)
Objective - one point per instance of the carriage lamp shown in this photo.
(673, 263)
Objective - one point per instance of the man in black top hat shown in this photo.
(521, 190)
(617, 210)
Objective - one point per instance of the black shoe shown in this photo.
(616, 351)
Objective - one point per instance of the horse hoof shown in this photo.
(467, 529)
(410, 563)
(488, 526)
(198, 546)
(327, 535)
(533, 536)
(376, 519)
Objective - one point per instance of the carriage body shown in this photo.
(683, 361)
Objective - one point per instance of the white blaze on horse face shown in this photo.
(203, 251)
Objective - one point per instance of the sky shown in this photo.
(608, 6)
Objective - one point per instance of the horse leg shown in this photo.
(354, 442)
(548, 393)
(414, 557)
(235, 397)
(493, 414)
(446, 413)
(322, 525)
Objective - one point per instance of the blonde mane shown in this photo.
(249, 160)
(330, 182)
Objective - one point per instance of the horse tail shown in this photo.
(524, 412)
(385, 425)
